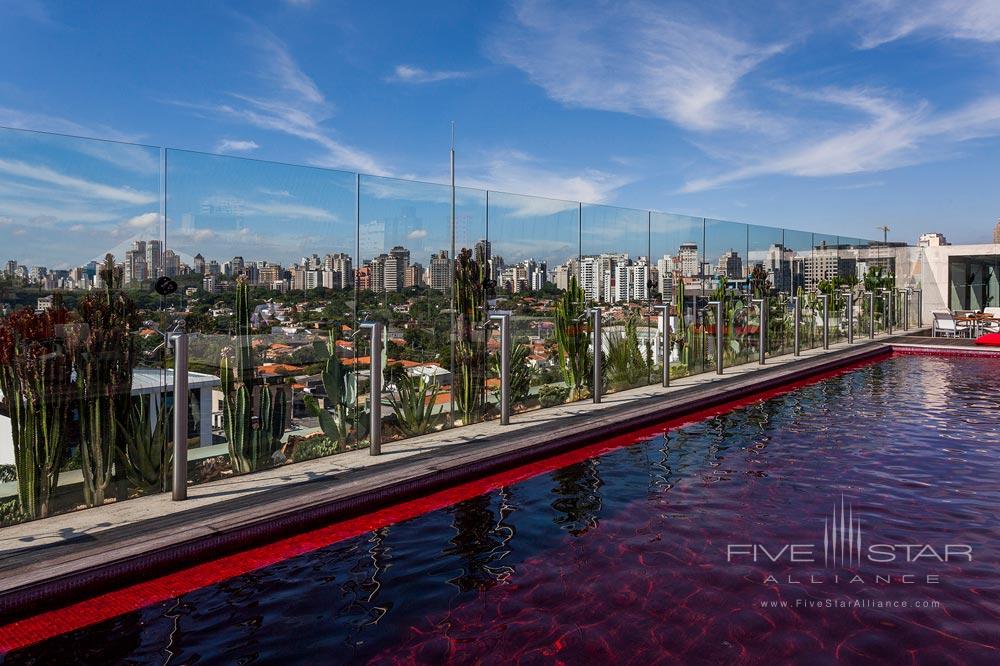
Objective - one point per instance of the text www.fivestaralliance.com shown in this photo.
(850, 603)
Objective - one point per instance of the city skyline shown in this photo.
(603, 276)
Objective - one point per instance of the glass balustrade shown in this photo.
(277, 273)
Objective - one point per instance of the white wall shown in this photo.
(933, 272)
(6, 442)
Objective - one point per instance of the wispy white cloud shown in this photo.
(88, 188)
(236, 146)
(291, 104)
(883, 21)
(415, 75)
(520, 172)
(43, 122)
(275, 210)
(633, 57)
(890, 135)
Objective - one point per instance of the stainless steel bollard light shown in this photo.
(718, 335)
(665, 345)
(797, 323)
(871, 313)
(761, 304)
(375, 385)
(920, 306)
(826, 319)
(503, 318)
(887, 310)
(849, 295)
(179, 341)
(905, 294)
(598, 350)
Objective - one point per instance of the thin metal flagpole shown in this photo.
(454, 305)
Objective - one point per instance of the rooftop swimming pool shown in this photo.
(852, 519)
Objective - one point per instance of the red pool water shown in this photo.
(734, 539)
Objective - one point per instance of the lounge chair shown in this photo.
(993, 326)
(946, 326)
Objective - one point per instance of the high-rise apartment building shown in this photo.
(395, 265)
(439, 274)
(730, 265)
(414, 275)
(154, 258)
(687, 260)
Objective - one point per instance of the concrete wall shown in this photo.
(933, 271)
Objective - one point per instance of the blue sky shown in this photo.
(839, 117)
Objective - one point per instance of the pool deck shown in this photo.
(73, 555)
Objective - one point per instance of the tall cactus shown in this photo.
(573, 338)
(105, 356)
(679, 335)
(342, 396)
(470, 337)
(36, 378)
(254, 424)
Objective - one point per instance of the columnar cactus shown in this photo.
(36, 378)
(573, 338)
(254, 424)
(470, 337)
(105, 356)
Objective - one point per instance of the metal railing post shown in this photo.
(375, 386)
(504, 319)
(598, 351)
(871, 314)
(797, 323)
(762, 332)
(905, 294)
(718, 335)
(826, 319)
(179, 341)
(665, 345)
(850, 316)
(887, 310)
(920, 307)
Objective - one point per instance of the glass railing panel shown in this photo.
(268, 255)
(429, 292)
(83, 234)
(770, 266)
(676, 247)
(536, 245)
(615, 273)
(727, 273)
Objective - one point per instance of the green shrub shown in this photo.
(314, 447)
(8, 473)
(552, 395)
(10, 512)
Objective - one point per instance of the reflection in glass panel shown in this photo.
(771, 267)
(615, 275)
(267, 283)
(851, 287)
(536, 264)
(798, 252)
(676, 243)
(408, 266)
(81, 226)
(736, 288)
